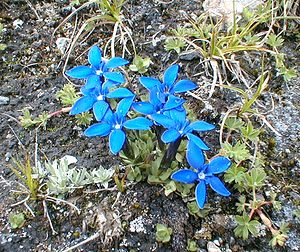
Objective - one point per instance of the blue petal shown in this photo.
(116, 140)
(114, 76)
(183, 86)
(178, 114)
(138, 123)
(98, 129)
(170, 135)
(185, 176)
(92, 82)
(83, 104)
(124, 106)
(173, 102)
(145, 108)
(194, 155)
(200, 194)
(163, 120)
(80, 72)
(149, 82)
(197, 141)
(109, 84)
(116, 62)
(218, 165)
(216, 184)
(154, 97)
(201, 126)
(171, 75)
(99, 109)
(120, 93)
(95, 57)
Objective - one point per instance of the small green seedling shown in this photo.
(163, 233)
(175, 44)
(67, 95)
(16, 220)
(192, 246)
(140, 64)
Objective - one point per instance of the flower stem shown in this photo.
(170, 154)
(158, 132)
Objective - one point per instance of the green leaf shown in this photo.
(16, 220)
(255, 178)
(249, 132)
(234, 123)
(163, 233)
(245, 225)
(174, 44)
(238, 152)
(275, 41)
(84, 118)
(67, 95)
(170, 187)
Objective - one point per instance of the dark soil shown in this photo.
(31, 74)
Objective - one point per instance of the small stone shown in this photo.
(211, 247)
(7, 156)
(4, 100)
(62, 44)
(18, 23)
(217, 243)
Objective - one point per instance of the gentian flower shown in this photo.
(178, 127)
(112, 124)
(99, 67)
(162, 94)
(96, 98)
(204, 174)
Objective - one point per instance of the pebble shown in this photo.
(4, 100)
(211, 247)
(18, 23)
(62, 44)
(7, 156)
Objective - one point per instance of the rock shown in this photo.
(211, 247)
(18, 23)
(62, 44)
(4, 100)
(225, 8)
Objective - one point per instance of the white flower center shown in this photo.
(100, 98)
(201, 175)
(118, 126)
(180, 132)
(99, 72)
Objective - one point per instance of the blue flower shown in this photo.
(99, 68)
(162, 94)
(96, 98)
(178, 126)
(112, 124)
(204, 174)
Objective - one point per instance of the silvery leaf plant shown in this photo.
(163, 113)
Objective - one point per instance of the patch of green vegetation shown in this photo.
(140, 64)
(16, 220)
(2, 46)
(67, 95)
(163, 233)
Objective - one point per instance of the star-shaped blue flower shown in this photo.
(99, 67)
(178, 126)
(162, 94)
(112, 124)
(204, 174)
(96, 98)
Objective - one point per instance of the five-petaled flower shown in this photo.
(162, 94)
(112, 124)
(204, 174)
(99, 67)
(99, 80)
(178, 126)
